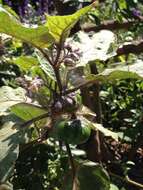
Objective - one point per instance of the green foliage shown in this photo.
(39, 167)
(38, 37)
(91, 175)
(51, 87)
(10, 138)
(114, 74)
(9, 97)
(27, 111)
(122, 103)
(41, 36)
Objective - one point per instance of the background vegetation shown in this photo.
(106, 69)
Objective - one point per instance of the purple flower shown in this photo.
(40, 8)
(136, 12)
(20, 12)
(35, 84)
(8, 2)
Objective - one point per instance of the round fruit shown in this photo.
(72, 132)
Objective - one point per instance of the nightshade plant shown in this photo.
(51, 102)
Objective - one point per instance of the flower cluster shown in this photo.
(22, 7)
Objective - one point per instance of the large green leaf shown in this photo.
(38, 37)
(25, 62)
(92, 176)
(46, 67)
(10, 96)
(80, 78)
(60, 26)
(8, 150)
(134, 71)
(9, 145)
(89, 175)
(27, 111)
(47, 72)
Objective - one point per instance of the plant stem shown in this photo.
(59, 48)
(58, 78)
(54, 65)
(71, 160)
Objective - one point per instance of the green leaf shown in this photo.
(25, 62)
(46, 67)
(38, 37)
(88, 176)
(8, 150)
(9, 145)
(47, 72)
(27, 111)
(134, 71)
(60, 26)
(9, 97)
(91, 175)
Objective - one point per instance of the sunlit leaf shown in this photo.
(47, 72)
(27, 111)
(134, 71)
(10, 138)
(45, 66)
(38, 37)
(8, 150)
(60, 26)
(10, 96)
